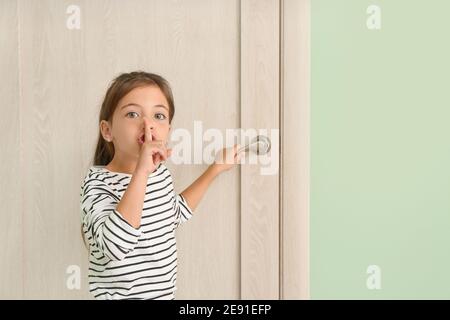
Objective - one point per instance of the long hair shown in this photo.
(119, 88)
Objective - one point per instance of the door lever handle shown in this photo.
(259, 145)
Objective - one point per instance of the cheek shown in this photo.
(126, 134)
(164, 133)
(164, 128)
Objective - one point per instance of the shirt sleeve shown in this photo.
(103, 226)
(182, 210)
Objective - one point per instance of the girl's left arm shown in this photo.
(225, 160)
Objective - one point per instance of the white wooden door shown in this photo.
(222, 58)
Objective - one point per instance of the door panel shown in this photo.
(11, 233)
(260, 110)
(222, 60)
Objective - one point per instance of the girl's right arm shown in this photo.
(132, 202)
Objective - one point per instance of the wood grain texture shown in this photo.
(295, 142)
(11, 255)
(259, 110)
(53, 91)
(195, 46)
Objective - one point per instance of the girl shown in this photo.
(129, 210)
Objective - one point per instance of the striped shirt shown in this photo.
(125, 262)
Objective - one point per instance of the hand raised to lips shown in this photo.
(152, 152)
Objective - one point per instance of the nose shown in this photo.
(151, 124)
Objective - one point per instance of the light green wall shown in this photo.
(380, 158)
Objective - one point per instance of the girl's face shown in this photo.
(128, 120)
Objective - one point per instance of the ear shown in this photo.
(105, 130)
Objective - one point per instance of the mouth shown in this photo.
(141, 139)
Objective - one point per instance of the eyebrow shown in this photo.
(135, 104)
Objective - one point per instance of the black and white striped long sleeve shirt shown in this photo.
(125, 262)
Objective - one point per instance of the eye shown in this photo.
(131, 113)
(160, 116)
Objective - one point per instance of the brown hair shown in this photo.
(119, 88)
